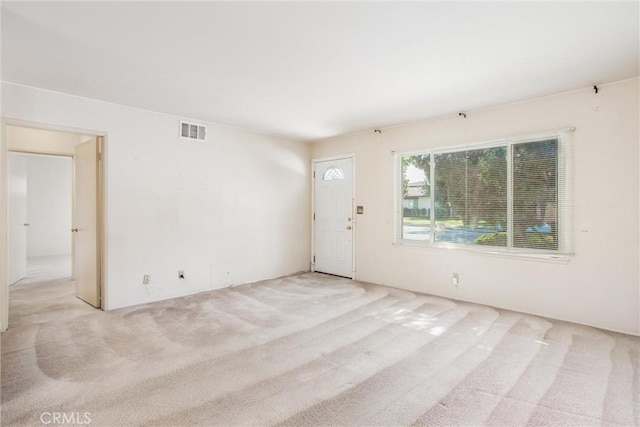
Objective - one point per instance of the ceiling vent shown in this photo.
(191, 131)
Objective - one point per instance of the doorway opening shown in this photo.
(54, 225)
(40, 217)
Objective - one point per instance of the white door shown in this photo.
(85, 225)
(17, 215)
(333, 224)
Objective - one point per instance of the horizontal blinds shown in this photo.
(535, 194)
(515, 195)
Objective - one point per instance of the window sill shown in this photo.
(553, 258)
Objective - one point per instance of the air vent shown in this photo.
(191, 131)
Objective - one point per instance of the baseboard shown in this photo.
(635, 334)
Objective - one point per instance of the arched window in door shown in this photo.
(332, 172)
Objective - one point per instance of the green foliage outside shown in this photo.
(534, 240)
(421, 162)
(493, 239)
(474, 184)
(535, 190)
(470, 184)
(470, 190)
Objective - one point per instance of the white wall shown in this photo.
(599, 286)
(4, 293)
(232, 210)
(49, 205)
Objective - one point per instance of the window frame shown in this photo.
(564, 182)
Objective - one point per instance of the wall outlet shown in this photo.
(456, 279)
(145, 279)
(180, 274)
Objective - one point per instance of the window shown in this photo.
(507, 196)
(332, 173)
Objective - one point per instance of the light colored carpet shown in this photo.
(309, 349)
(46, 268)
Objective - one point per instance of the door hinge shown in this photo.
(314, 217)
(314, 174)
(314, 259)
(99, 144)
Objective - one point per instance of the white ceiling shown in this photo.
(307, 71)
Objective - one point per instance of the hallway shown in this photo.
(44, 293)
(46, 268)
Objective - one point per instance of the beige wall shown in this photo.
(600, 284)
(26, 139)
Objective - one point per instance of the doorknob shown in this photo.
(26, 224)
(348, 227)
(75, 230)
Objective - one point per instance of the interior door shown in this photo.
(17, 216)
(333, 217)
(86, 254)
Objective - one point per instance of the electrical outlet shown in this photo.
(145, 279)
(180, 274)
(456, 279)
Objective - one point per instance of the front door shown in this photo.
(333, 217)
(86, 254)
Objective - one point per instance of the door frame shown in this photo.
(102, 223)
(11, 229)
(351, 157)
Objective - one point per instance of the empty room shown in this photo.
(320, 213)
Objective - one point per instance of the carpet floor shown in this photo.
(308, 350)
